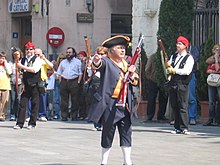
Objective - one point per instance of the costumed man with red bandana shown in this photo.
(31, 65)
(106, 107)
(180, 68)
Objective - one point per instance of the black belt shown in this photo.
(70, 79)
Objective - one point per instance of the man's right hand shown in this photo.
(96, 59)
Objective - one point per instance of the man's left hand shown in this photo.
(171, 70)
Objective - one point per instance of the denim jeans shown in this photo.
(57, 98)
(43, 105)
(213, 92)
(14, 100)
(192, 107)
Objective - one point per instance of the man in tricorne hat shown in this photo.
(31, 65)
(105, 107)
(180, 67)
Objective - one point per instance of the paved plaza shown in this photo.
(75, 143)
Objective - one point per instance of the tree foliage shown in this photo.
(143, 75)
(205, 53)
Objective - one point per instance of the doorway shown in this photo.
(23, 26)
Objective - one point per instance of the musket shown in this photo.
(163, 50)
(14, 49)
(16, 75)
(87, 46)
(123, 92)
(164, 59)
(88, 52)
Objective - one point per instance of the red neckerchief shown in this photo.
(49, 74)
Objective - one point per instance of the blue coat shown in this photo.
(103, 104)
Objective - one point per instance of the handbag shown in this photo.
(213, 80)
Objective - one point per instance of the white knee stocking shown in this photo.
(105, 154)
(127, 155)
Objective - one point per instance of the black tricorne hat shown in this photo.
(116, 40)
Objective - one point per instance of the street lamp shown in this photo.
(90, 5)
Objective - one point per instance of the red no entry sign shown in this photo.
(55, 36)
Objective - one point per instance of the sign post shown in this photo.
(55, 37)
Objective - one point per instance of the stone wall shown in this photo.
(145, 21)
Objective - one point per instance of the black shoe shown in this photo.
(162, 118)
(64, 119)
(208, 123)
(74, 119)
(172, 122)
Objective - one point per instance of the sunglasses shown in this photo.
(29, 49)
(179, 43)
(101, 54)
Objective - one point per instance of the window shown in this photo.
(121, 24)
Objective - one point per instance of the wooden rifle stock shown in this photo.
(164, 60)
(88, 52)
(122, 97)
(87, 46)
(163, 50)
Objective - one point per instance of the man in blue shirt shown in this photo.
(70, 72)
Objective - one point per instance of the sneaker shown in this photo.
(42, 118)
(185, 132)
(98, 128)
(192, 122)
(17, 127)
(208, 123)
(12, 118)
(175, 131)
(55, 117)
(94, 129)
(2, 118)
(81, 118)
(148, 121)
(172, 122)
(64, 119)
(28, 119)
(31, 126)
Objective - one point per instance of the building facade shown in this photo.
(30, 20)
